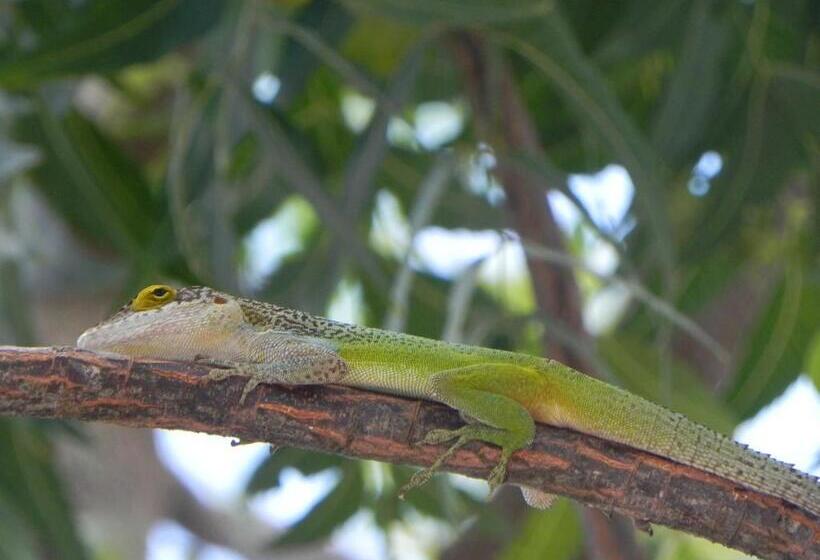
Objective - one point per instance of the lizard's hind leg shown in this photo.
(476, 392)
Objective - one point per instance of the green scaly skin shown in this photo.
(501, 393)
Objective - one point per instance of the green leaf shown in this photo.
(427, 298)
(29, 485)
(16, 323)
(16, 539)
(42, 15)
(297, 282)
(105, 35)
(437, 498)
(402, 171)
(677, 545)
(693, 93)
(638, 367)
(329, 514)
(427, 499)
(549, 46)
(645, 28)
(775, 351)
(244, 156)
(91, 182)
(475, 11)
(771, 136)
(813, 360)
(556, 534)
(712, 274)
(372, 145)
(328, 20)
(267, 474)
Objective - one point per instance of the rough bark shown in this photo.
(69, 383)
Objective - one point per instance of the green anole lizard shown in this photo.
(500, 394)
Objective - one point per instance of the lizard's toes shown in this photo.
(419, 478)
(435, 437)
(217, 374)
(249, 386)
(216, 364)
(498, 474)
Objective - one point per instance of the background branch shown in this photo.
(68, 383)
(503, 117)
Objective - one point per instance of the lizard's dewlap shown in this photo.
(183, 329)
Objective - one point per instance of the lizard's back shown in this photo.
(553, 394)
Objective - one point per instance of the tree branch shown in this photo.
(70, 383)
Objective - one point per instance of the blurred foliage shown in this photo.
(280, 149)
(31, 499)
(555, 533)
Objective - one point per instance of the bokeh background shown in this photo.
(629, 186)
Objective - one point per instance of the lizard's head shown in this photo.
(165, 322)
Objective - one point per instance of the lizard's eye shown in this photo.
(153, 297)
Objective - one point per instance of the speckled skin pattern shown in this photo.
(501, 392)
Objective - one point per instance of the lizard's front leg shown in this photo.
(284, 359)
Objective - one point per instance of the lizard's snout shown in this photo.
(87, 340)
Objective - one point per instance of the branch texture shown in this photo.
(69, 383)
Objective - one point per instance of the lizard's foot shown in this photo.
(420, 478)
(218, 374)
(499, 472)
(232, 370)
(462, 435)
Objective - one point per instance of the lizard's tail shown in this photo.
(612, 413)
(695, 445)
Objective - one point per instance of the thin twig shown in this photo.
(657, 304)
(302, 179)
(458, 302)
(328, 55)
(430, 192)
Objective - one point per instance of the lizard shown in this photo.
(499, 394)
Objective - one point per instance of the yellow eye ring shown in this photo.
(153, 296)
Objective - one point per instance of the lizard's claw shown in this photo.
(499, 472)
